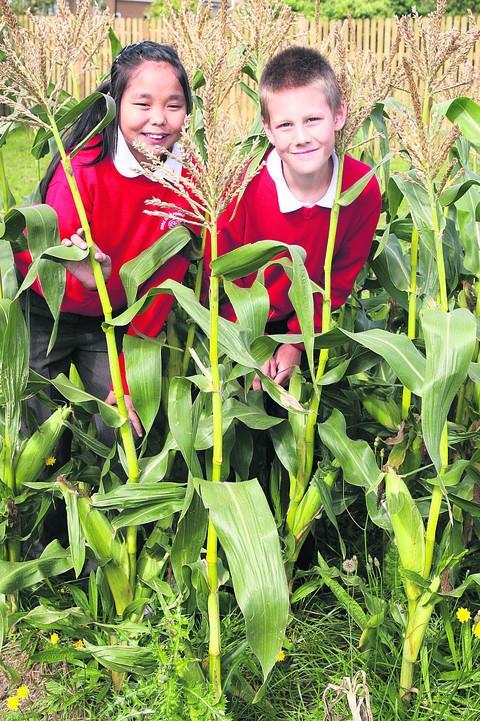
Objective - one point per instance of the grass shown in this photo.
(23, 171)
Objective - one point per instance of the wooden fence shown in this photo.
(376, 35)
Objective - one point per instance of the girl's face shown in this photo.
(152, 108)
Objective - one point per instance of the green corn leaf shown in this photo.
(285, 446)
(16, 576)
(143, 364)
(454, 192)
(71, 392)
(110, 112)
(181, 422)
(469, 229)
(355, 457)
(147, 514)
(249, 258)
(301, 297)
(143, 266)
(189, 539)
(420, 207)
(474, 372)
(352, 193)
(449, 343)
(137, 495)
(251, 305)
(247, 532)
(124, 659)
(401, 355)
(115, 44)
(7, 270)
(465, 113)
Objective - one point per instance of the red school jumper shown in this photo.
(114, 205)
(258, 217)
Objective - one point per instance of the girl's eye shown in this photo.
(142, 105)
(175, 107)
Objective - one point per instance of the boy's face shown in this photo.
(302, 128)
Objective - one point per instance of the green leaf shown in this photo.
(348, 196)
(474, 372)
(465, 113)
(143, 266)
(71, 392)
(420, 207)
(15, 576)
(469, 229)
(249, 258)
(181, 422)
(124, 659)
(407, 525)
(449, 343)
(355, 457)
(143, 364)
(115, 44)
(110, 112)
(251, 305)
(247, 532)
(454, 192)
(136, 495)
(301, 297)
(401, 355)
(7, 271)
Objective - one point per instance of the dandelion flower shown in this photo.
(23, 692)
(13, 702)
(476, 630)
(54, 639)
(79, 643)
(463, 615)
(281, 655)
(50, 461)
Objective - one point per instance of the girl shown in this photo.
(153, 97)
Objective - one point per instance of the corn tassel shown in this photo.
(32, 457)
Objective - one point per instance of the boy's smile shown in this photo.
(302, 128)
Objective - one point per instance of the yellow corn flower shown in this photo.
(476, 630)
(54, 639)
(23, 692)
(463, 615)
(79, 643)
(13, 702)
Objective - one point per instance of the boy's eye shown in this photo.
(313, 120)
(142, 105)
(284, 125)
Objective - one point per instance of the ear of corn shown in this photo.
(32, 456)
(109, 551)
(408, 529)
(386, 412)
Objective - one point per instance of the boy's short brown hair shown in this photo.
(296, 67)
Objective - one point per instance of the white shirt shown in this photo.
(128, 166)
(287, 202)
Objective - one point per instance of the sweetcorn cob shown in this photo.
(32, 457)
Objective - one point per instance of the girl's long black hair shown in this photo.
(129, 58)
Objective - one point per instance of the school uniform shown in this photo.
(269, 211)
(114, 192)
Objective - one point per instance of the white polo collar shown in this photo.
(286, 200)
(128, 166)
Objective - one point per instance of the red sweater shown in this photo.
(258, 217)
(114, 205)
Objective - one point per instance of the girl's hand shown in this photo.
(82, 269)
(134, 419)
(280, 366)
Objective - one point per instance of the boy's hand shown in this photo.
(280, 366)
(82, 269)
(132, 414)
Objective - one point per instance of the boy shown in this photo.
(290, 199)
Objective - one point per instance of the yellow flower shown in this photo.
(79, 643)
(23, 692)
(50, 461)
(476, 630)
(54, 639)
(13, 702)
(281, 656)
(463, 615)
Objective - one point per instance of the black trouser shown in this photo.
(80, 340)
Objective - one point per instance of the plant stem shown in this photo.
(214, 649)
(412, 312)
(3, 182)
(326, 317)
(198, 290)
(126, 433)
(437, 493)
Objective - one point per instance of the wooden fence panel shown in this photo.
(376, 35)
